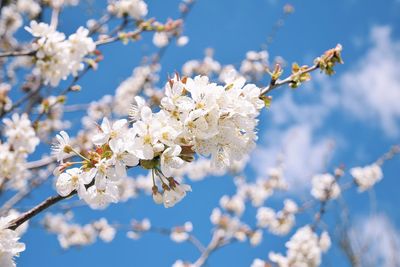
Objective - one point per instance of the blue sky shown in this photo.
(356, 110)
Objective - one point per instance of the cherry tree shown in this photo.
(150, 137)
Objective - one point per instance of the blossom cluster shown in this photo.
(136, 9)
(141, 80)
(10, 246)
(278, 223)
(264, 187)
(303, 249)
(57, 57)
(208, 66)
(168, 31)
(70, 234)
(11, 17)
(325, 187)
(21, 141)
(255, 64)
(366, 177)
(231, 227)
(60, 3)
(5, 100)
(195, 117)
(54, 108)
(138, 227)
(181, 233)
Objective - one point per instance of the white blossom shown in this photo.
(196, 116)
(10, 21)
(234, 204)
(9, 245)
(181, 233)
(106, 231)
(30, 7)
(20, 133)
(109, 131)
(279, 223)
(69, 181)
(56, 57)
(180, 263)
(137, 9)
(256, 238)
(325, 187)
(160, 39)
(121, 158)
(59, 3)
(258, 263)
(170, 160)
(367, 176)
(175, 194)
(182, 40)
(324, 241)
(303, 249)
(63, 146)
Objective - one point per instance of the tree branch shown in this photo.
(288, 80)
(36, 210)
(17, 53)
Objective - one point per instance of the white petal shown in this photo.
(64, 185)
(100, 181)
(87, 176)
(120, 169)
(105, 126)
(100, 139)
(130, 160)
(119, 124)
(116, 145)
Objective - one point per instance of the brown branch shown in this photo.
(17, 53)
(36, 210)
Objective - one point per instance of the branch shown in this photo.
(394, 150)
(17, 53)
(54, 18)
(113, 39)
(20, 102)
(63, 93)
(103, 20)
(191, 239)
(183, 16)
(41, 162)
(214, 244)
(36, 210)
(9, 204)
(288, 80)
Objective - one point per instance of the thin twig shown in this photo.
(213, 245)
(21, 195)
(288, 80)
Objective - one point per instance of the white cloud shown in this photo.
(377, 241)
(371, 89)
(291, 137)
(302, 155)
(286, 110)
